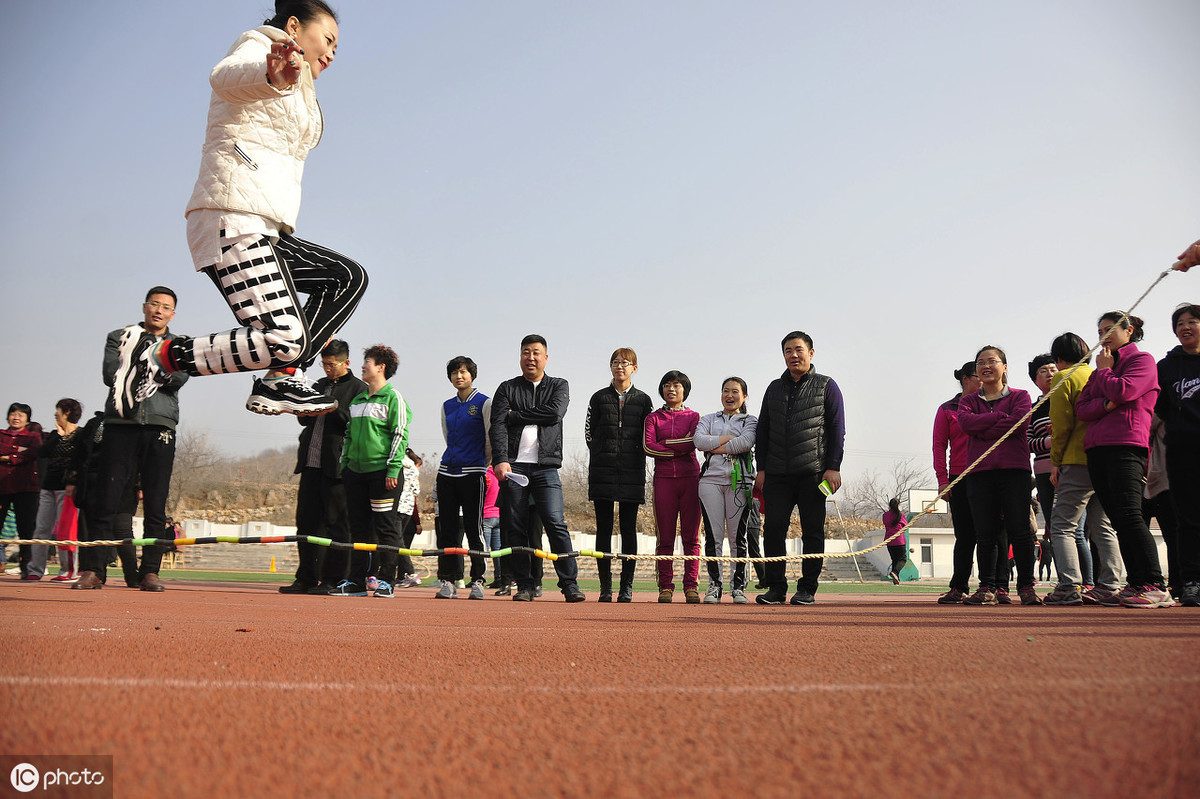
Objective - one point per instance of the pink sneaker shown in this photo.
(982, 596)
(1148, 596)
(1102, 596)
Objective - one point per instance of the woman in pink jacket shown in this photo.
(1117, 403)
(998, 487)
(949, 439)
(668, 439)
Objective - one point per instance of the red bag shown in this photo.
(67, 528)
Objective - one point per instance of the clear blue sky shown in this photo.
(904, 181)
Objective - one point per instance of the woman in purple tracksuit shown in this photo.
(998, 488)
(668, 439)
(1118, 402)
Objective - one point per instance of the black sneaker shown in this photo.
(523, 595)
(321, 589)
(130, 370)
(295, 588)
(288, 395)
(537, 590)
(505, 589)
(774, 596)
(572, 594)
(802, 597)
(1190, 596)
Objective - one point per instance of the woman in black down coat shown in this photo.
(617, 466)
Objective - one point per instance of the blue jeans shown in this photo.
(491, 534)
(545, 488)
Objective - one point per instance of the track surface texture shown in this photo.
(217, 689)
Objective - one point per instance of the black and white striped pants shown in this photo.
(262, 282)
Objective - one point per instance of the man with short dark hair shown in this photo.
(321, 498)
(800, 442)
(139, 443)
(526, 434)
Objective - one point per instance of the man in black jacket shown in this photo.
(527, 442)
(800, 441)
(321, 499)
(139, 442)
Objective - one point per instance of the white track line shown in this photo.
(177, 683)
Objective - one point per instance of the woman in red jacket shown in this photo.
(668, 439)
(1118, 403)
(19, 487)
(948, 437)
(998, 487)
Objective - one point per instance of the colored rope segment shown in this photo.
(412, 553)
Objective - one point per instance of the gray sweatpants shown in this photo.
(1072, 496)
(726, 514)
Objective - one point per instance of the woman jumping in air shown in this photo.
(263, 119)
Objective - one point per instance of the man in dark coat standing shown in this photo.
(800, 442)
(321, 499)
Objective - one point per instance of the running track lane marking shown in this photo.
(801, 688)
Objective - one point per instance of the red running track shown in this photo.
(217, 689)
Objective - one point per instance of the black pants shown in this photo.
(129, 453)
(753, 547)
(372, 511)
(542, 498)
(964, 537)
(782, 493)
(24, 506)
(899, 556)
(604, 529)
(460, 495)
(262, 282)
(321, 512)
(1118, 475)
(408, 531)
(1183, 472)
(1000, 507)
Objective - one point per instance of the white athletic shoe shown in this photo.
(127, 377)
(288, 395)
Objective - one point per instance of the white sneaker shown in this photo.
(288, 395)
(447, 591)
(739, 596)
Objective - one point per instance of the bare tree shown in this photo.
(868, 496)
(195, 461)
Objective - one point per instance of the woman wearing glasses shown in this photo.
(616, 415)
(998, 488)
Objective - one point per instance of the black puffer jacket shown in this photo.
(617, 464)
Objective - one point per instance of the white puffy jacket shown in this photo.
(258, 136)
